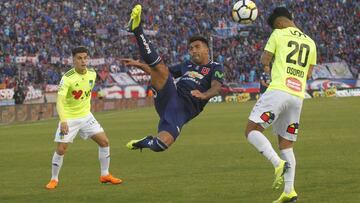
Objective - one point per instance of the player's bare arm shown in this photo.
(136, 63)
(266, 58)
(310, 72)
(213, 91)
(264, 83)
(64, 128)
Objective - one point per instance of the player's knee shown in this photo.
(61, 149)
(246, 133)
(104, 142)
(101, 139)
(248, 129)
(60, 152)
(252, 126)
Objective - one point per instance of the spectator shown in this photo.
(19, 95)
(45, 29)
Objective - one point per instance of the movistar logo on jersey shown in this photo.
(219, 74)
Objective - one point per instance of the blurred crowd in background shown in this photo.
(46, 29)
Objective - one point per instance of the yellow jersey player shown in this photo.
(73, 107)
(280, 105)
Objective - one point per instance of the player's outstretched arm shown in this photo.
(64, 128)
(213, 91)
(136, 63)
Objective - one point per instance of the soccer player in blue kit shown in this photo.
(176, 104)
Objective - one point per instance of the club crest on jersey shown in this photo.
(267, 117)
(293, 128)
(205, 70)
(91, 82)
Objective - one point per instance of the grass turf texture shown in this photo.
(210, 162)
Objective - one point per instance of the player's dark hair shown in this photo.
(278, 12)
(198, 38)
(80, 49)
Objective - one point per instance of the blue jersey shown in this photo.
(191, 76)
(267, 79)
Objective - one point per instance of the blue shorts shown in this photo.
(171, 108)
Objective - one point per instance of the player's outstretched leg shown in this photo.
(153, 143)
(284, 197)
(147, 50)
(135, 18)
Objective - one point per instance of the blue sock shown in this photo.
(147, 50)
(152, 143)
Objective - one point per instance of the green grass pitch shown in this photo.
(211, 161)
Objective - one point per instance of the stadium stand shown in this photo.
(36, 37)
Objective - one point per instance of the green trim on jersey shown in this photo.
(77, 91)
(69, 73)
(294, 52)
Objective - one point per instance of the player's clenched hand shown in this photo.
(131, 62)
(64, 128)
(198, 94)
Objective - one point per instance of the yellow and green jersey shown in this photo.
(76, 88)
(294, 52)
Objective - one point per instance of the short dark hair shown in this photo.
(278, 12)
(80, 49)
(198, 38)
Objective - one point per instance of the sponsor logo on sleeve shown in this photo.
(219, 74)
